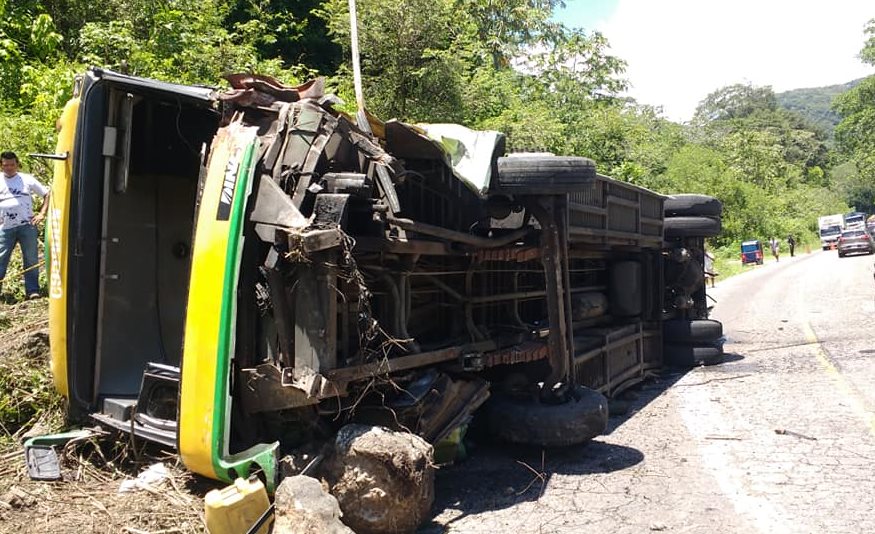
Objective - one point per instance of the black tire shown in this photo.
(544, 175)
(692, 205)
(759, 262)
(692, 227)
(691, 356)
(526, 422)
(692, 332)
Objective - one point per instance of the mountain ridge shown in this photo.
(815, 103)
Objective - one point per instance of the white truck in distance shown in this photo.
(830, 229)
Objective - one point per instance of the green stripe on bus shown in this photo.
(227, 312)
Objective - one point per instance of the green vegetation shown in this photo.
(496, 64)
(815, 104)
(855, 135)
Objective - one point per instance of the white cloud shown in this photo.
(678, 51)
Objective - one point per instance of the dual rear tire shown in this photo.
(689, 343)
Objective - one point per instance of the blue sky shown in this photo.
(586, 13)
(678, 51)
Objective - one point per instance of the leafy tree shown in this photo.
(868, 52)
(756, 157)
(855, 135)
(504, 28)
(695, 168)
(290, 29)
(744, 107)
(26, 35)
(181, 41)
(735, 101)
(480, 61)
(404, 59)
(858, 190)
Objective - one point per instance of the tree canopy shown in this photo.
(855, 134)
(506, 65)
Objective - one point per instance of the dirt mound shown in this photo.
(34, 346)
(24, 329)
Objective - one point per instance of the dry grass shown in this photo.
(27, 394)
(87, 500)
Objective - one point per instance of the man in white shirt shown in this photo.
(18, 224)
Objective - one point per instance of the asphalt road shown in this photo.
(780, 438)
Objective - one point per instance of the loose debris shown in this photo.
(88, 499)
(92, 503)
(784, 432)
(150, 479)
(383, 480)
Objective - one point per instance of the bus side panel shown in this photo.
(57, 232)
(204, 402)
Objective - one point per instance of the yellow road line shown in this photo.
(851, 393)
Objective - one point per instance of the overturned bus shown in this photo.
(238, 273)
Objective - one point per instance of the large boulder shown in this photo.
(304, 507)
(383, 480)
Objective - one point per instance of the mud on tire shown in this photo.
(583, 416)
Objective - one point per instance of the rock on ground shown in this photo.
(304, 507)
(383, 480)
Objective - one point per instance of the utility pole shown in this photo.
(361, 116)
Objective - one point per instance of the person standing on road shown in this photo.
(710, 273)
(773, 244)
(791, 243)
(18, 224)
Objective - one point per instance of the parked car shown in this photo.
(854, 219)
(855, 239)
(752, 252)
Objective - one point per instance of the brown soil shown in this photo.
(87, 500)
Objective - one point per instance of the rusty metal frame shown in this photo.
(549, 212)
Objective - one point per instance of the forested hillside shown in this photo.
(491, 64)
(815, 104)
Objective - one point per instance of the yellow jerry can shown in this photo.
(236, 508)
